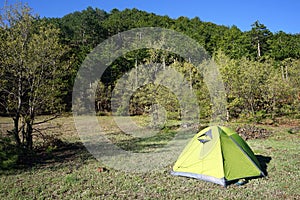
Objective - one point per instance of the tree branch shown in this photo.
(46, 120)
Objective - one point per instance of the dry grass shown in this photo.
(70, 172)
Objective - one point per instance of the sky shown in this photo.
(276, 15)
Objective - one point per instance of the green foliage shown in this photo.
(32, 70)
(259, 67)
(259, 89)
(284, 46)
(71, 179)
(260, 35)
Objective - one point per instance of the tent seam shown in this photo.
(222, 155)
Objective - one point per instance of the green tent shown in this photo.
(219, 155)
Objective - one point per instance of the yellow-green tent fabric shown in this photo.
(219, 155)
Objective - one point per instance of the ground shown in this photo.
(66, 170)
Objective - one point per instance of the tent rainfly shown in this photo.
(219, 155)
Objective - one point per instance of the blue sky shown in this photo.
(276, 15)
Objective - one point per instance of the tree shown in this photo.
(81, 32)
(31, 72)
(260, 35)
(284, 46)
(235, 44)
(84, 28)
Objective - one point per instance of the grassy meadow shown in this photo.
(63, 169)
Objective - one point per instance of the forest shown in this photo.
(40, 58)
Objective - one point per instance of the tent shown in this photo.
(219, 155)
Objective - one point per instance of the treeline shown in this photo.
(88, 28)
(259, 68)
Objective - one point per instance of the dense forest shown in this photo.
(260, 69)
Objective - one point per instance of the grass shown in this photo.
(68, 171)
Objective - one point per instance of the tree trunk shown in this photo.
(136, 74)
(164, 63)
(286, 72)
(282, 73)
(29, 131)
(274, 107)
(191, 75)
(16, 119)
(191, 79)
(258, 50)
(16, 130)
(227, 115)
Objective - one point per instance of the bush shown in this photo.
(8, 153)
(102, 113)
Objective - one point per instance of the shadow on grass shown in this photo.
(154, 142)
(145, 144)
(59, 155)
(263, 161)
(62, 154)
